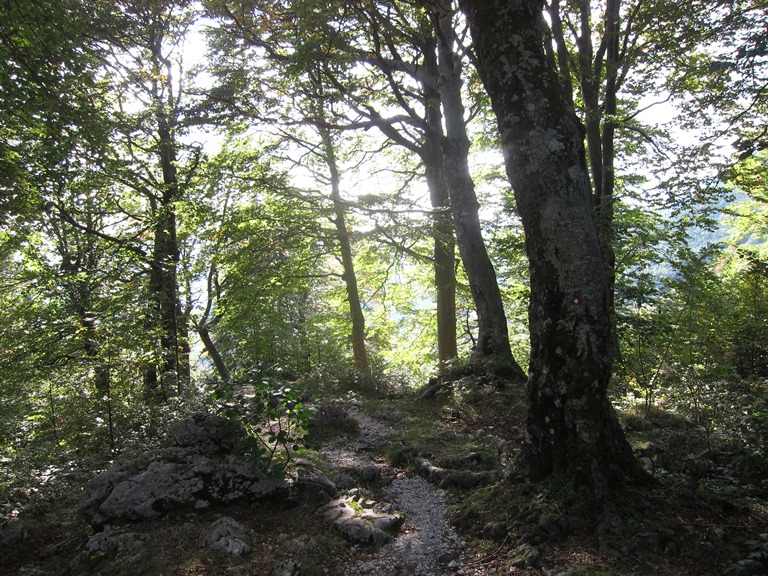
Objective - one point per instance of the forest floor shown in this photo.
(445, 463)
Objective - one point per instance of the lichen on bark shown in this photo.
(572, 428)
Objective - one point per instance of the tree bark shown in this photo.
(442, 223)
(572, 427)
(213, 352)
(604, 203)
(597, 74)
(345, 246)
(164, 287)
(493, 335)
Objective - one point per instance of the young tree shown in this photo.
(258, 250)
(572, 427)
(328, 152)
(388, 30)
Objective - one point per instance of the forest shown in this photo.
(535, 226)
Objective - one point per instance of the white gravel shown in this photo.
(426, 544)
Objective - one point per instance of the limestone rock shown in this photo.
(287, 568)
(331, 416)
(199, 470)
(226, 535)
(314, 482)
(205, 433)
(300, 545)
(448, 478)
(108, 542)
(362, 521)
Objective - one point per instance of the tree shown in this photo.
(493, 337)
(51, 97)
(400, 50)
(619, 59)
(404, 93)
(146, 55)
(303, 84)
(259, 248)
(573, 430)
(328, 153)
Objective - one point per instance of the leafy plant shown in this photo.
(271, 413)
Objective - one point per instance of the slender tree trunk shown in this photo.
(213, 352)
(442, 222)
(345, 246)
(605, 203)
(572, 427)
(444, 256)
(206, 322)
(493, 336)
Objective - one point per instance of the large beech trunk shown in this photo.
(572, 427)
(493, 336)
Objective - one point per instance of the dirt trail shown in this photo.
(426, 544)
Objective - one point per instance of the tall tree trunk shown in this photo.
(597, 73)
(572, 427)
(442, 222)
(604, 203)
(444, 253)
(493, 336)
(345, 246)
(174, 337)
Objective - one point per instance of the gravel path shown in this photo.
(346, 453)
(426, 545)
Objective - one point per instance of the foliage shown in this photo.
(270, 411)
(756, 560)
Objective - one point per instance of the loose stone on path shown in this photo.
(426, 544)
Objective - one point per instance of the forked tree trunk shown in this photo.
(572, 427)
(205, 323)
(597, 72)
(493, 335)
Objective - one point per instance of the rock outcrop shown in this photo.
(202, 467)
(227, 535)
